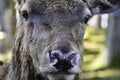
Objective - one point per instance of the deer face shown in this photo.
(54, 30)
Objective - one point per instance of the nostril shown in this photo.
(71, 56)
(54, 56)
(75, 60)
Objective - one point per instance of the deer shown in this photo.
(48, 44)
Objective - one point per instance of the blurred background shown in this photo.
(101, 59)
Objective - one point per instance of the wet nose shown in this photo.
(63, 62)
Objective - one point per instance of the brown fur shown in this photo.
(3, 69)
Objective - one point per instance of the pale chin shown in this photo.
(61, 76)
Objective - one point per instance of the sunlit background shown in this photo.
(101, 60)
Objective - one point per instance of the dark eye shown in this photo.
(25, 15)
(86, 19)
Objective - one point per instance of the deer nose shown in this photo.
(63, 62)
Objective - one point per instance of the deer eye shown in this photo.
(86, 18)
(25, 15)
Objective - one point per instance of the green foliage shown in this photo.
(94, 67)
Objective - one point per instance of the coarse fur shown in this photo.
(47, 25)
(36, 37)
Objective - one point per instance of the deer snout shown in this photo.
(63, 62)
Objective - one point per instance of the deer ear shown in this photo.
(102, 6)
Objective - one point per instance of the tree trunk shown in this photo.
(113, 40)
